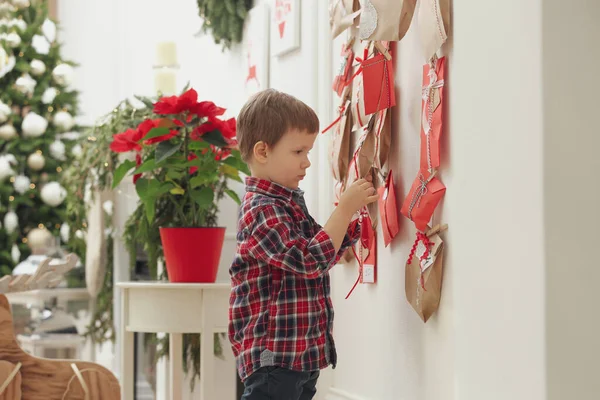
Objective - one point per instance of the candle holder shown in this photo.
(165, 69)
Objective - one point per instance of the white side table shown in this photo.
(173, 308)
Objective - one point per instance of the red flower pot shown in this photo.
(192, 254)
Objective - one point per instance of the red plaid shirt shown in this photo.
(280, 310)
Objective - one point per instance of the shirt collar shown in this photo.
(270, 188)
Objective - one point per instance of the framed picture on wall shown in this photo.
(256, 50)
(285, 29)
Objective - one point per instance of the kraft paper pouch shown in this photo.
(340, 151)
(341, 15)
(383, 129)
(432, 113)
(385, 20)
(434, 17)
(424, 196)
(423, 286)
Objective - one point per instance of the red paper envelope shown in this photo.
(388, 210)
(424, 196)
(432, 114)
(378, 84)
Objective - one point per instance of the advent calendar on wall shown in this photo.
(256, 50)
(285, 28)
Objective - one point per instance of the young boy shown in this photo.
(281, 315)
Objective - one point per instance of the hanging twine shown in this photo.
(427, 114)
(419, 193)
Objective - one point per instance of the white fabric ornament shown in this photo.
(6, 7)
(37, 67)
(63, 74)
(63, 120)
(57, 150)
(13, 39)
(15, 253)
(26, 84)
(40, 44)
(19, 23)
(49, 95)
(53, 194)
(77, 150)
(65, 231)
(20, 3)
(34, 125)
(49, 30)
(6, 163)
(7, 62)
(21, 184)
(78, 234)
(5, 111)
(69, 135)
(36, 161)
(11, 222)
(7, 132)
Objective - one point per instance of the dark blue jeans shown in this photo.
(275, 383)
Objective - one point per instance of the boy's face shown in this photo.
(286, 162)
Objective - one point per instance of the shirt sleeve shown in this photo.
(351, 237)
(275, 240)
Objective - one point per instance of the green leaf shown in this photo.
(121, 171)
(148, 165)
(147, 188)
(156, 132)
(199, 145)
(203, 197)
(215, 138)
(165, 149)
(233, 196)
(150, 206)
(175, 174)
(204, 179)
(177, 191)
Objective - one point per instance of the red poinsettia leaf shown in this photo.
(208, 109)
(166, 105)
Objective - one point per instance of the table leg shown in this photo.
(127, 372)
(175, 365)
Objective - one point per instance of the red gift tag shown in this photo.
(424, 196)
(388, 211)
(378, 84)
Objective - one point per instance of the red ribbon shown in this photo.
(421, 237)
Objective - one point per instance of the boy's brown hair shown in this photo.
(267, 116)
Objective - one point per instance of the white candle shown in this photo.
(165, 81)
(166, 54)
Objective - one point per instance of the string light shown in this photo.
(24, 240)
(41, 226)
(38, 152)
(12, 179)
(21, 54)
(58, 169)
(11, 198)
(50, 109)
(32, 186)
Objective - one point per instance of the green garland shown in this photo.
(224, 19)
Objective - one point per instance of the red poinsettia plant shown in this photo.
(184, 157)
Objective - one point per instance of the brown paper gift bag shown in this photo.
(385, 20)
(340, 149)
(424, 287)
(434, 17)
(341, 15)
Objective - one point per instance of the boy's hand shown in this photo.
(358, 195)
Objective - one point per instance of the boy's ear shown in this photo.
(260, 152)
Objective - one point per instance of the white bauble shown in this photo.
(49, 30)
(21, 184)
(57, 150)
(37, 67)
(63, 74)
(79, 234)
(65, 231)
(63, 120)
(6, 7)
(26, 84)
(77, 150)
(6, 163)
(11, 222)
(108, 207)
(36, 161)
(15, 253)
(69, 135)
(13, 39)
(40, 44)
(20, 3)
(34, 125)
(19, 23)
(49, 95)
(7, 62)
(7, 132)
(53, 194)
(5, 111)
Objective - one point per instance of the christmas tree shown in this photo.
(37, 137)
